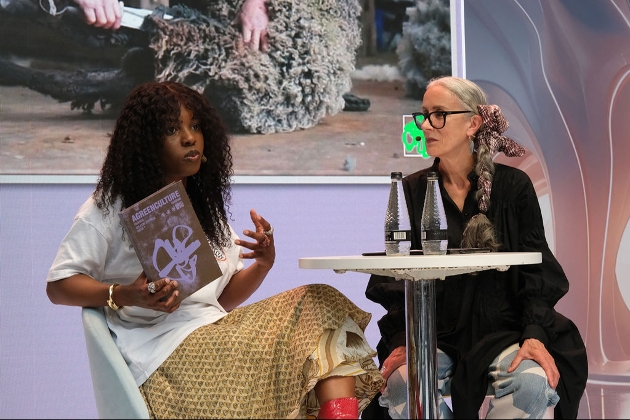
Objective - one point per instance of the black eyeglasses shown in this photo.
(437, 119)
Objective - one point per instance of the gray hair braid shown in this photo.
(479, 232)
(484, 169)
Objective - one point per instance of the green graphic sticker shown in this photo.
(413, 138)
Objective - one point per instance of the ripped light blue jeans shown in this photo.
(524, 393)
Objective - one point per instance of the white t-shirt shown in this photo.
(94, 246)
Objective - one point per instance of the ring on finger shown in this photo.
(151, 288)
(268, 232)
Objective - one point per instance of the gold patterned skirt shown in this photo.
(263, 360)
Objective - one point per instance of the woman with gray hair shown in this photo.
(496, 331)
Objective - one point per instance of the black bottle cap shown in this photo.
(396, 175)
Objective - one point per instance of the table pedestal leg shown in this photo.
(421, 349)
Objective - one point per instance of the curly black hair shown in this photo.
(133, 169)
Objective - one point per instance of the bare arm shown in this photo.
(83, 290)
(244, 283)
(78, 290)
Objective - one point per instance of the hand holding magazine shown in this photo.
(170, 241)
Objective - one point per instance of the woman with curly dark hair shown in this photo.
(297, 354)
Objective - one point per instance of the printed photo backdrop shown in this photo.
(328, 98)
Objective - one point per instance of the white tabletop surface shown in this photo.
(417, 267)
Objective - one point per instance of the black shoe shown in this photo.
(354, 103)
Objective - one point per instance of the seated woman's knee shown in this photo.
(529, 389)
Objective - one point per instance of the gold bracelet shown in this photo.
(110, 301)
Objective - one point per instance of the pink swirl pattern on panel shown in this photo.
(560, 71)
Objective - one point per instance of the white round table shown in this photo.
(419, 273)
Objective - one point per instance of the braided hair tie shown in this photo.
(490, 135)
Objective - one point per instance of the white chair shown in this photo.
(115, 390)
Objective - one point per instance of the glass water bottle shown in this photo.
(397, 224)
(433, 226)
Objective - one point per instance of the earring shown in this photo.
(204, 159)
(471, 144)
